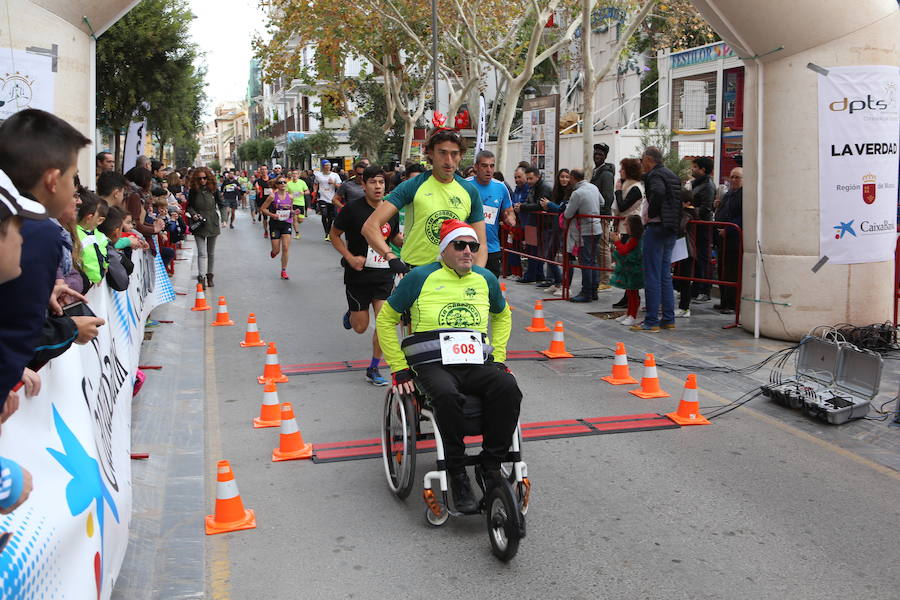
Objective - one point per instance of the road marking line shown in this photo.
(218, 559)
(857, 458)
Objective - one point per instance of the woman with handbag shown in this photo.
(202, 210)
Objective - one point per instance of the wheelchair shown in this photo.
(504, 506)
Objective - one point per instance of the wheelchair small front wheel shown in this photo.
(504, 521)
(434, 519)
(398, 442)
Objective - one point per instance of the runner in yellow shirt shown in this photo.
(299, 193)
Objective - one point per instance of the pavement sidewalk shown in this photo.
(165, 556)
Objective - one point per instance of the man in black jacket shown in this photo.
(537, 190)
(703, 192)
(663, 223)
(731, 210)
(604, 177)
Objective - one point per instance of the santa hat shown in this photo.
(454, 228)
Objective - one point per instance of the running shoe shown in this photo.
(327, 238)
(296, 236)
(284, 274)
(374, 377)
(151, 323)
(346, 320)
(272, 253)
(628, 321)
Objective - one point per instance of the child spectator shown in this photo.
(160, 211)
(119, 265)
(93, 242)
(628, 273)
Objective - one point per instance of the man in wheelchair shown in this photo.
(450, 303)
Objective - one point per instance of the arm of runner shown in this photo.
(264, 209)
(482, 255)
(356, 262)
(371, 229)
(386, 328)
(501, 319)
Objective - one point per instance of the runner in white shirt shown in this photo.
(327, 185)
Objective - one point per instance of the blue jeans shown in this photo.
(657, 247)
(535, 270)
(587, 256)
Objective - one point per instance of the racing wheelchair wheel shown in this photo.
(506, 525)
(398, 442)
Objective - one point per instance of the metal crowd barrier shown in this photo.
(535, 243)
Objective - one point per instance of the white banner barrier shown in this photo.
(69, 538)
(858, 150)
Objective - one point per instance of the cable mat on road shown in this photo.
(545, 430)
(342, 366)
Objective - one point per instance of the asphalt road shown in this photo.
(750, 507)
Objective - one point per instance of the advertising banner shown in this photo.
(540, 134)
(68, 539)
(135, 140)
(859, 125)
(27, 80)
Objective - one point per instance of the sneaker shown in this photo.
(667, 325)
(580, 298)
(544, 284)
(374, 377)
(151, 323)
(346, 321)
(558, 292)
(628, 321)
(516, 278)
(702, 298)
(620, 318)
(296, 236)
(603, 286)
(552, 289)
(231, 226)
(686, 313)
(463, 499)
(272, 254)
(526, 281)
(328, 238)
(726, 311)
(284, 275)
(645, 328)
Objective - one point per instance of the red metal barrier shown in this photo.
(716, 253)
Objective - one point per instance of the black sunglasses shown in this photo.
(203, 177)
(460, 245)
(282, 182)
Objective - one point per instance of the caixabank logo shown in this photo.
(865, 227)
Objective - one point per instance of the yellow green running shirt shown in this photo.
(428, 204)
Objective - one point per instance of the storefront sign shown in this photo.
(859, 123)
(696, 56)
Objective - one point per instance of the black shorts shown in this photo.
(279, 228)
(361, 294)
(260, 201)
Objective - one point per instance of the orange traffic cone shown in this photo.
(230, 513)
(650, 381)
(557, 347)
(620, 374)
(270, 410)
(537, 321)
(222, 318)
(291, 446)
(251, 338)
(688, 412)
(272, 370)
(505, 295)
(200, 300)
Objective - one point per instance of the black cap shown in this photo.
(12, 203)
(602, 147)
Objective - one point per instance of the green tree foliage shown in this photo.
(214, 165)
(299, 151)
(145, 68)
(322, 142)
(662, 139)
(366, 138)
(264, 150)
(248, 151)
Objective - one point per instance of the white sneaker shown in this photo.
(620, 319)
(558, 292)
(552, 289)
(683, 313)
(628, 321)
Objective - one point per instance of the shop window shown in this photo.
(693, 102)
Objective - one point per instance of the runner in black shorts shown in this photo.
(368, 279)
(280, 209)
(263, 185)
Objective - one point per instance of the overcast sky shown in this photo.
(223, 30)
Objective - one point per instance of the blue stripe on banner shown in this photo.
(164, 290)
